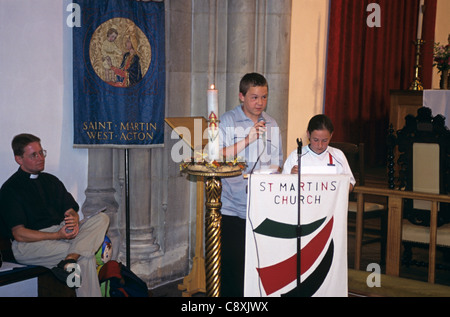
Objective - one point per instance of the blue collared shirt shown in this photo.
(234, 126)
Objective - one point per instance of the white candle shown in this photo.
(213, 101)
(420, 22)
(213, 127)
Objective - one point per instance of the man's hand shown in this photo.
(71, 226)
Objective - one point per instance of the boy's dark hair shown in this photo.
(252, 80)
(20, 141)
(320, 122)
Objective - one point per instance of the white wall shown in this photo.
(36, 88)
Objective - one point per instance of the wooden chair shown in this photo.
(355, 157)
(423, 145)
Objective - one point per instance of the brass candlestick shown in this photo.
(417, 84)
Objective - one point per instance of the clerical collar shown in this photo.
(28, 175)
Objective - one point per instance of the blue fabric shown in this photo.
(121, 104)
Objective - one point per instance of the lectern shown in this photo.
(195, 281)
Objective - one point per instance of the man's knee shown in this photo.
(104, 218)
(97, 223)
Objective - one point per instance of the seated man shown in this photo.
(43, 222)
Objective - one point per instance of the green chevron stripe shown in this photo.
(286, 231)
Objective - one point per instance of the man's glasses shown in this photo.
(36, 155)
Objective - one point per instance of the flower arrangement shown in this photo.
(441, 57)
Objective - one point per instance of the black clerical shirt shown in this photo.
(35, 201)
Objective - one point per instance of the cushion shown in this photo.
(421, 234)
(368, 207)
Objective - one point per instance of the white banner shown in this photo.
(271, 236)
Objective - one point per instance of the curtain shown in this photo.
(364, 63)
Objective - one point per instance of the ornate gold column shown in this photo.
(213, 225)
(213, 234)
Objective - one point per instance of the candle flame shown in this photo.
(212, 86)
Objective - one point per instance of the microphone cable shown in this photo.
(253, 234)
(261, 118)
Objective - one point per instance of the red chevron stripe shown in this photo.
(279, 275)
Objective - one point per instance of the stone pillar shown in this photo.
(258, 40)
(241, 46)
(100, 191)
(142, 242)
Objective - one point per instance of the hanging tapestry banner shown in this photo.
(271, 265)
(119, 74)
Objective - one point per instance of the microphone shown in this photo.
(299, 146)
(263, 136)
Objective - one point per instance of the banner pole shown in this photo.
(127, 207)
(299, 228)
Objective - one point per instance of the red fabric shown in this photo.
(364, 63)
(110, 269)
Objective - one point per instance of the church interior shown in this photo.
(367, 64)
